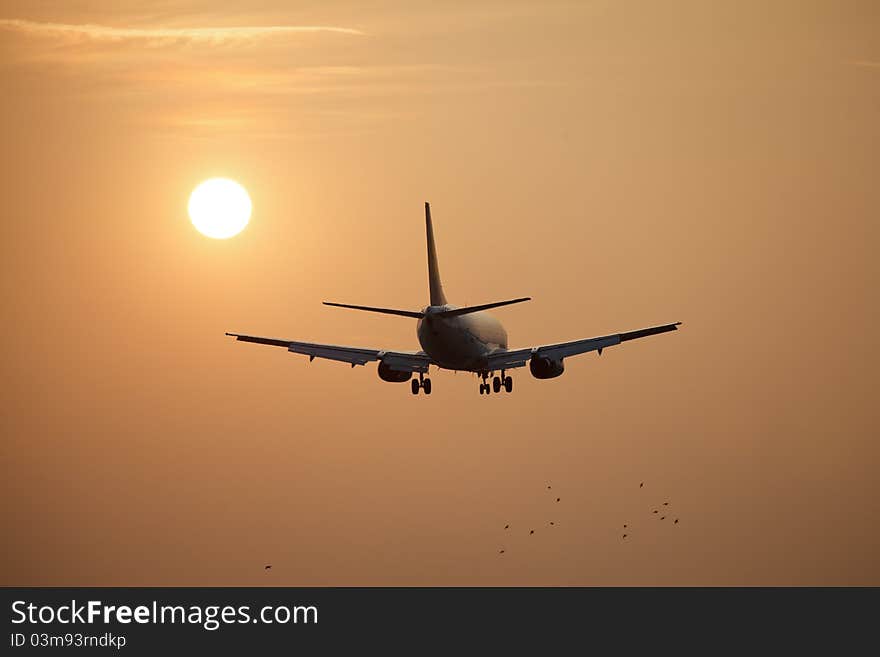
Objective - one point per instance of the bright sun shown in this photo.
(219, 208)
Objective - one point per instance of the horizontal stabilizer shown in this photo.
(475, 309)
(386, 311)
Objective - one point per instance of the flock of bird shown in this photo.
(532, 531)
(552, 523)
(656, 511)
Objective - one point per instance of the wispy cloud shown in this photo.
(165, 34)
(867, 64)
(257, 80)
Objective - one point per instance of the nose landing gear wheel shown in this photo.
(426, 385)
(415, 387)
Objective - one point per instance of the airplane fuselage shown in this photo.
(462, 342)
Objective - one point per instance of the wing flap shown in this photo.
(576, 347)
(406, 362)
(519, 357)
(397, 360)
(508, 360)
(351, 355)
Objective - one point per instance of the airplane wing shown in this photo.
(520, 357)
(403, 361)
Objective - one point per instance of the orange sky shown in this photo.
(624, 163)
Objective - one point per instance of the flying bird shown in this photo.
(662, 517)
(624, 526)
(666, 504)
(655, 510)
(624, 535)
(548, 487)
(500, 551)
(641, 484)
(267, 567)
(676, 522)
(531, 532)
(558, 498)
(506, 526)
(551, 522)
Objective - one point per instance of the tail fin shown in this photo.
(438, 298)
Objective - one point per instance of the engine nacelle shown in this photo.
(393, 376)
(546, 368)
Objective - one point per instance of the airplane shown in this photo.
(462, 339)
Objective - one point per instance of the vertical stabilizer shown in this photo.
(437, 296)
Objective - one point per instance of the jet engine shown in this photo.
(546, 368)
(393, 376)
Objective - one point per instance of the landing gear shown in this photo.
(423, 383)
(497, 384)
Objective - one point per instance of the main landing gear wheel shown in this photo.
(498, 382)
(423, 384)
